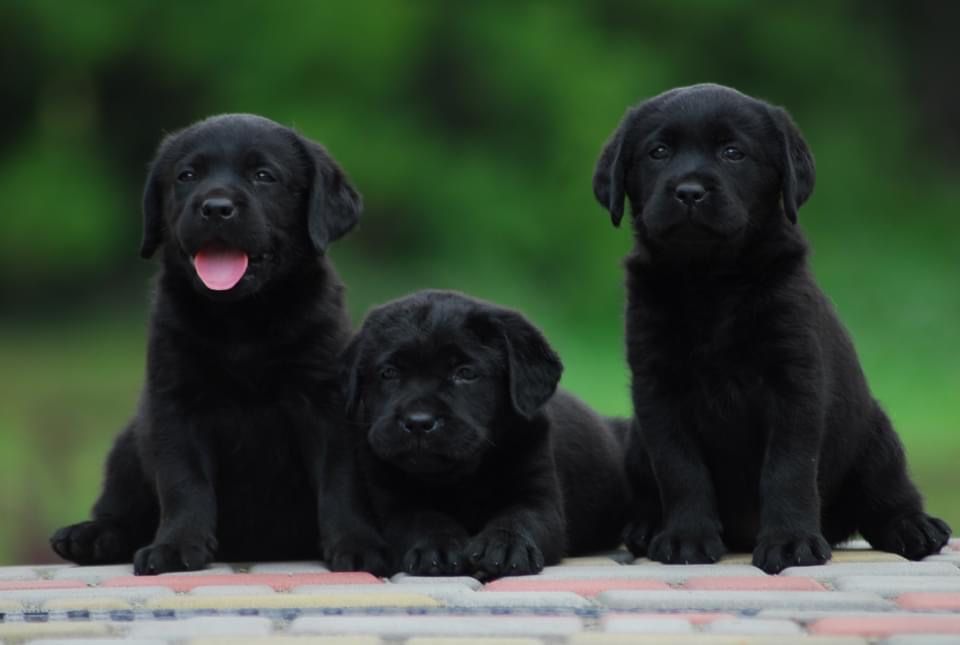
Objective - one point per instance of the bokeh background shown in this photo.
(472, 129)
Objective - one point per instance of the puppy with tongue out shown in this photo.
(223, 458)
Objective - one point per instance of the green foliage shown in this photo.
(471, 129)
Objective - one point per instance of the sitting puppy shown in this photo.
(472, 464)
(222, 458)
(757, 422)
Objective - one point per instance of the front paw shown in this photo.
(186, 554)
(498, 552)
(93, 542)
(777, 551)
(436, 555)
(355, 553)
(692, 545)
(638, 535)
(914, 536)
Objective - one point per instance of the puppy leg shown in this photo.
(645, 513)
(789, 499)
(690, 533)
(891, 508)
(429, 543)
(124, 517)
(185, 539)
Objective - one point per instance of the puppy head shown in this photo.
(239, 201)
(436, 379)
(703, 166)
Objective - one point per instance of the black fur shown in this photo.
(757, 423)
(223, 455)
(472, 463)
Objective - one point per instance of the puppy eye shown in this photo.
(465, 373)
(187, 175)
(389, 373)
(732, 153)
(660, 152)
(264, 176)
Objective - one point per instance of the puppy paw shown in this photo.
(700, 545)
(497, 552)
(184, 555)
(637, 537)
(776, 552)
(94, 542)
(436, 555)
(359, 554)
(913, 536)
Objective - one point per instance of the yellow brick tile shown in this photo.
(10, 606)
(589, 561)
(864, 555)
(23, 631)
(103, 603)
(294, 601)
(473, 640)
(737, 558)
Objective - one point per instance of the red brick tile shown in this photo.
(754, 583)
(930, 600)
(880, 625)
(8, 585)
(584, 587)
(279, 582)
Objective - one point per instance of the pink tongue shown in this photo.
(220, 270)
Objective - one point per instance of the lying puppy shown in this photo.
(760, 427)
(472, 463)
(246, 327)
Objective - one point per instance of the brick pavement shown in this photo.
(861, 597)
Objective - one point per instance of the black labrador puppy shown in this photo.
(472, 463)
(222, 457)
(754, 417)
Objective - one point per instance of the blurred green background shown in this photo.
(471, 129)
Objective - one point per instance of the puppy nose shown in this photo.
(690, 192)
(220, 207)
(419, 422)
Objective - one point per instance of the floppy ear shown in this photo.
(796, 163)
(350, 375)
(610, 172)
(335, 205)
(153, 226)
(533, 367)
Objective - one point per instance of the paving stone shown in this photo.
(9, 605)
(285, 640)
(736, 558)
(603, 559)
(865, 555)
(706, 639)
(585, 587)
(648, 625)
(425, 589)
(26, 631)
(694, 618)
(93, 575)
(920, 639)
(294, 601)
(36, 597)
(887, 625)
(233, 590)
(11, 585)
(739, 600)
(843, 570)
(104, 603)
(212, 569)
(950, 556)
(664, 572)
(453, 640)
(97, 641)
(889, 586)
(288, 567)
(518, 599)
(806, 616)
(930, 601)
(18, 573)
(467, 581)
(180, 582)
(754, 626)
(201, 626)
(754, 583)
(399, 626)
